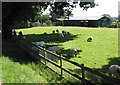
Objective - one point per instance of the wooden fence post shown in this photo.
(61, 67)
(83, 73)
(45, 56)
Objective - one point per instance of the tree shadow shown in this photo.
(112, 61)
(47, 46)
(12, 50)
(66, 52)
(105, 69)
(49, 38)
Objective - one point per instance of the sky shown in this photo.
(104, 7)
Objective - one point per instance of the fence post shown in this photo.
(45, 55)
(83, 73)
(61, 66)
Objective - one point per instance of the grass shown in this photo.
(98, 54)
(20, 67)
(94, 54)
(14, 72)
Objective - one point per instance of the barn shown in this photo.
(91, 21)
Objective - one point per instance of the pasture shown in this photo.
(101, 50)
(98, 54)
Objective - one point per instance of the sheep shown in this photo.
(58, 30)
(68, 33)
(52, 57)
(72, 52)
(45, 33)
(20, 35)
(61, 35)
(56, 49)
(35, 49)
(63, 31)
(115, 70)
(53, 31)
(90, 39)
(41, 43)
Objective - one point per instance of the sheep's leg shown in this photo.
(75, 55)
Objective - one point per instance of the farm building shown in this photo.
(92, 21)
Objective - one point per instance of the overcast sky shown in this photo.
(105, 7)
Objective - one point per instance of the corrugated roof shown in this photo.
(84, 18)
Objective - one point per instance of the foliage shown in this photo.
(114, 24)
(41, 22)
(107, 15)
(86, 5)
(18, 11)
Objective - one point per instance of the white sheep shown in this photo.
(115, 70)
(58, 30)
(72, 52)
(64, 32)
(68, 33)
(41, 43)
(61, 35)
(56, 49)
(90, 39)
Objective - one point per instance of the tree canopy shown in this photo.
(23, 11)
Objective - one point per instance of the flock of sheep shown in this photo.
(114, 69)
(60, 35)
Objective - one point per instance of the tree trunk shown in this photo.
(6, 30)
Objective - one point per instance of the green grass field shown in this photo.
(101, 50)
(98, 54)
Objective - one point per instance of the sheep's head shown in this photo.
(53, 31)
(118, 69)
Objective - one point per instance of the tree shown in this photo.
(13, 11)
(24, 11)
(107, 15)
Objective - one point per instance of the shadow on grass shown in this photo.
(47, 46)
(105, 69)
(49, 37)
(12, 50)
(112, 61)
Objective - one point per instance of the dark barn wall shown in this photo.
(93, 23)
(102, 22)
(90, 23)
(72, 23)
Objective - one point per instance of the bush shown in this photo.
(36, 24)
(49, 23)
(113, 25)
(44, 24)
